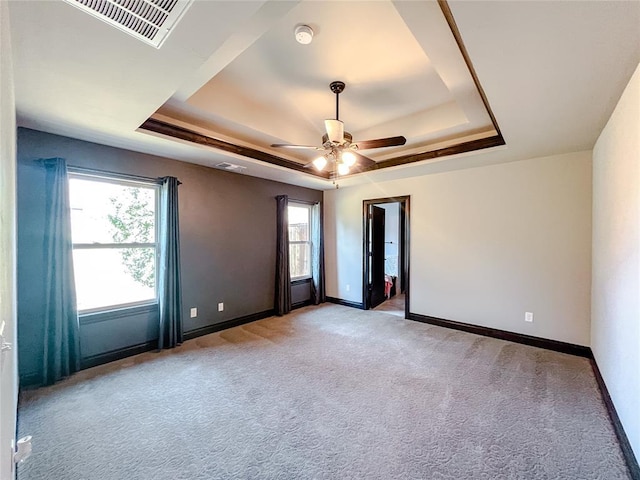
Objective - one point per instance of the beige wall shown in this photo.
(487, 244)
(615, 323)
(8, 377)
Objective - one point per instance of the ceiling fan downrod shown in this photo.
(337, 88)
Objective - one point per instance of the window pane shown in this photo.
(104, 212)
(114, 276)
(299, 260)
(298, 223)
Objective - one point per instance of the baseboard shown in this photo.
(118, 354)
(95, 360)
(235, 322)
(625, 446)
(346, 303)
(554, 345)
(301, 304)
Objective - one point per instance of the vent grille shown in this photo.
(231, 166)
(148, 20)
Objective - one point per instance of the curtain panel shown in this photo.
(282, 304)
(61, 346)
(169, 284)
(318, 294)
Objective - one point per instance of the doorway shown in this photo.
(386, 254)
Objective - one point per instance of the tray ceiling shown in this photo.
(403, 65)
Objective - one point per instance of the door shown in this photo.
(376, 257)
(8, 362)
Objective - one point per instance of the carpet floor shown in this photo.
(392, 306)
(326, 392)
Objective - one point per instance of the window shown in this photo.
(299, 241)
(113, 229)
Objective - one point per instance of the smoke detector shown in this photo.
(304, 34)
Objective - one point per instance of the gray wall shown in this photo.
(227, 235)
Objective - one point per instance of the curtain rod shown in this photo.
(306, 202)
(123, 176)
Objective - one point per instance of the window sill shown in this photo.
(300, 281)
(117, 312)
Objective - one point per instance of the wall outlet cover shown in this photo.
(528, 317)
(221, 307)
(194, 312)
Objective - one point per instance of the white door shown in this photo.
(8, 358)
(8, 362)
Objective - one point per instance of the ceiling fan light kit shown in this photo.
(340, 149)
(348, 158)
(343, 169)
(335, 130)
(320, 163)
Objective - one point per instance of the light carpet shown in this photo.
(326, 392)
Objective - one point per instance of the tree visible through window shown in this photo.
(299, 241)
(113, 226)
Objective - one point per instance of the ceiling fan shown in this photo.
(339, 146)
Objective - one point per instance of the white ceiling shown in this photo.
(398, 82)
(552, 73)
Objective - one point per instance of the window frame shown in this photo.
(127, 181)
(308, 207)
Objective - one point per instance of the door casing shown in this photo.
(405, 231)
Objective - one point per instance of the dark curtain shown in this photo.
(283, 276)
(317, 256)
(169, 285)
(61, 328)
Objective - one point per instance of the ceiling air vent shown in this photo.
(231, 166)
(148, 20)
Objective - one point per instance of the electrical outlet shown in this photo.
(348, 287)
(528, 316)
(221, 307)
(194, 312)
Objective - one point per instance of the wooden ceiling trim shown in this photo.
(470, 146)
(164, 128)
(448, 15)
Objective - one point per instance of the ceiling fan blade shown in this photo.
(308, 165)
(381, 142)
(303, 147)
(362, 161)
